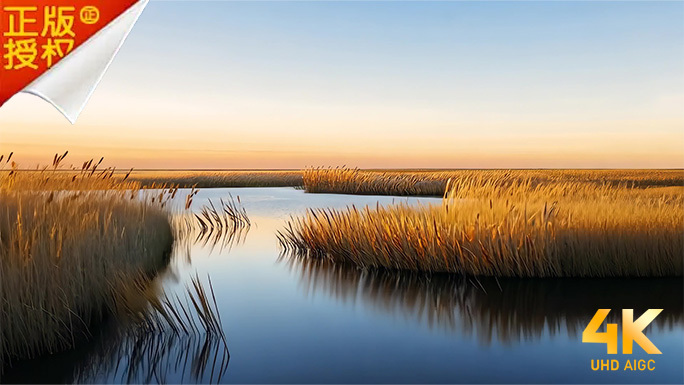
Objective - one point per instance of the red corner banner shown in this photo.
(36, 35)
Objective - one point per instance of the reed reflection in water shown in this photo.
(493, 310)
(141, 357)
(131, 355)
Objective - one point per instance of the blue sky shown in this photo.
(387, 84)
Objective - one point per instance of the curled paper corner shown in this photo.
(69, 84)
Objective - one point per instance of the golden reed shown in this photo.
(496, 223)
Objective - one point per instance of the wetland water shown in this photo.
(288, 320)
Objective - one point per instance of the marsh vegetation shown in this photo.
(342, 180)
(511, 225)
(80, 247)
(218, 178)
(67, 243)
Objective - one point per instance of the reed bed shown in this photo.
(341, 180)
(509, 227)
(206, 179)
(376, 182)
(355, 181)
(67, 241)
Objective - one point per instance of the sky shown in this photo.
(225, 84)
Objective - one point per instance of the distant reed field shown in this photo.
(355, 181)
(381, 182)
(434, 182)
(69, 244)
(206, 179)
(496, 223)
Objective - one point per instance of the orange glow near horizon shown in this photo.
(415, 140)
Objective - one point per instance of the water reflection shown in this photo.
(130, 355)
(493, 310)
(141, 357)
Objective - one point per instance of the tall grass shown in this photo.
(356, 181)
(508, 226)
(68, 239)
(342, 180)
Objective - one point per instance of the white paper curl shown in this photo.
(69, 84)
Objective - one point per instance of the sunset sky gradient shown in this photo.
(213, 84)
